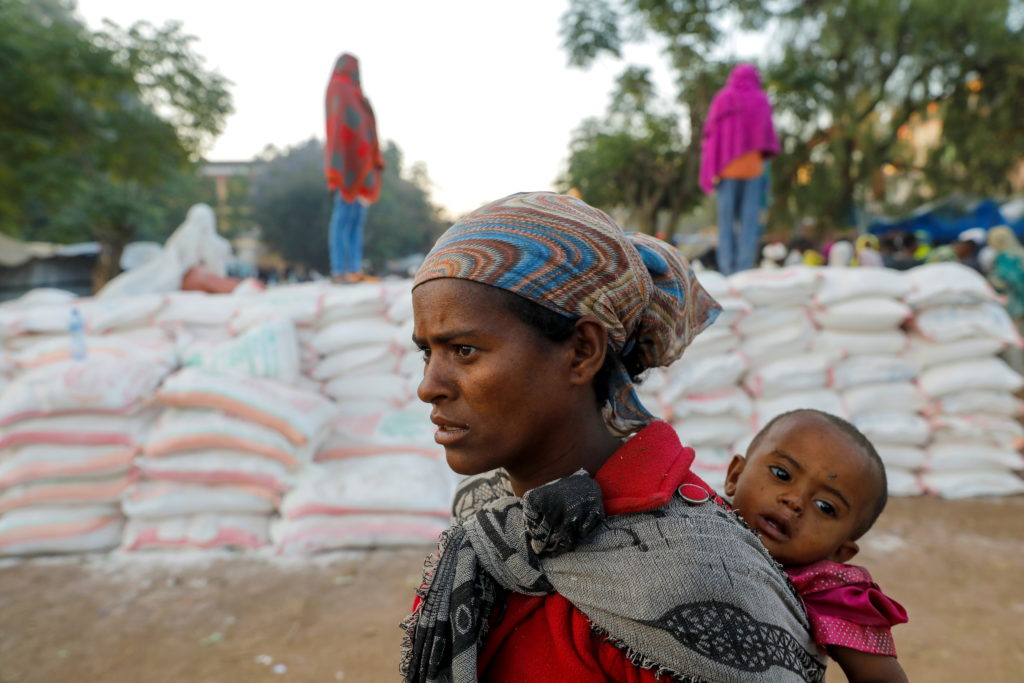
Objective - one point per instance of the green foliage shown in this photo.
(99, 132)
(850, 80)
(640, 156)
(292, 206)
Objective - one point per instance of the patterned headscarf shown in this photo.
(352, 158)
(560, 253)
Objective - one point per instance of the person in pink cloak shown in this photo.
(738, 137)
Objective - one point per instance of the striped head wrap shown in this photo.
(571, 258)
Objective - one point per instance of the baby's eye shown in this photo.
(464, 352)
(779, 472)
(826, 507)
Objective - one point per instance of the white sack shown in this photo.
(993, 403)
(268, 350)
(321, 533)
(870, 314)
(858, 370)
(952, 323)
(795, 373)
(895, 428)
(51, 530)
(884, 397)
(244, 532)
(174, 499)
(859, 343)
(400, 483)
(704, 375)
(301, 416)
(99, 385)
(844, 284)
(938, 284)
(712, 431)
(924, 353)
(985, 374)
(825, 400)
(971, 484)
(792, 285)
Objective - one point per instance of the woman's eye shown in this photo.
(425, 352)
(779, 472)
(826, 507)
(464, 352)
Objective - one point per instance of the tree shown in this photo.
(99, 132)
(849, 79)
(292, 206)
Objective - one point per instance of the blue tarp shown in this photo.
(945, 221)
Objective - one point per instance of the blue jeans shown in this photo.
(740, 199)
(345, 236)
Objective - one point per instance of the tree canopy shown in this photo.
(292, 206)
(853, 82)
(99, 131)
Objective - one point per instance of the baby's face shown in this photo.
(805, 490)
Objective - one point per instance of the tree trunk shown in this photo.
(108, 264)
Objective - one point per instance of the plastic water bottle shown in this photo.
(76, 329)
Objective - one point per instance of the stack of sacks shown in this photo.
(68, 433)
(959, 327)
(860, 315)
(303, 304)
(35, 327)
(359, 348)
(199, 318)
(379, 480)
(777, 337)
(700, 395)
(215, 465)
(39, 315)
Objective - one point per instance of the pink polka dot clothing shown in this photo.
(846, 608)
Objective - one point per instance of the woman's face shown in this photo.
(500, 391)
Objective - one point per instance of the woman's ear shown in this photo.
(589, 346)
(732, 476)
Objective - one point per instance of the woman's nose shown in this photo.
(434, 386)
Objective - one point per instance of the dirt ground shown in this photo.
(956, 566)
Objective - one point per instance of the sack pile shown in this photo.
(69, 431)
(907, 357)
(228, 446)
(959, 327)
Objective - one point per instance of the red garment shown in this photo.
(352, 158)
(546, 638)
(846, 607)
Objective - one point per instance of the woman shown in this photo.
(353, 166)
(578, 555)
(738, 137)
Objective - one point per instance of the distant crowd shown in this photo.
(995, 253)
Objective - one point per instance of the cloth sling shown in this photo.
(685, 589)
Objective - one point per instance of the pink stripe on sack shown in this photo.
(41, 532)
(307, 509)
(210, 440)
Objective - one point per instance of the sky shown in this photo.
(480, 92)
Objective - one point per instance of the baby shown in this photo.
(810, 485)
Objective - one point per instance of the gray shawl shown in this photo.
(685, 589)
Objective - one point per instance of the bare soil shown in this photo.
(957, 566)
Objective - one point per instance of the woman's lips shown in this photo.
(448, 431)
(772, 527)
